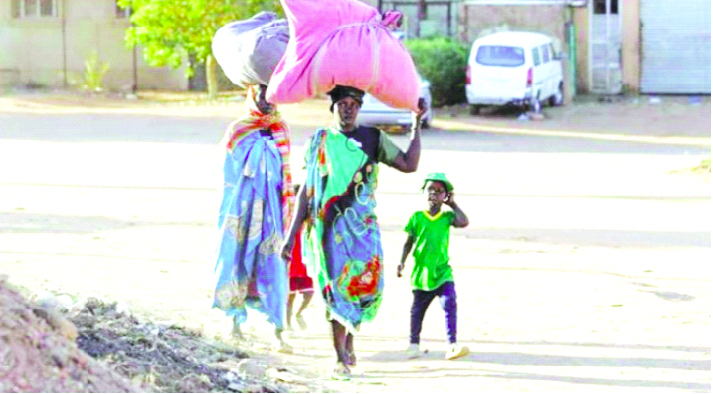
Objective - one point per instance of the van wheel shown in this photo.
(558, 98)
(474, 109)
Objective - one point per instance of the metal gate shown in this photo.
(676, 46)
(605, 47)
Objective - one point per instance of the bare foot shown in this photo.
(301, 322)
(283, 347)
(350, 358)
(349, 354)
(279, 344)
(236, 332)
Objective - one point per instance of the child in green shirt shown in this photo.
(429, 231)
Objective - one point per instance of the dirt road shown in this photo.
(586, 266)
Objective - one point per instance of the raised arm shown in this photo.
(460, 220)
(408, 161)
(299, 217)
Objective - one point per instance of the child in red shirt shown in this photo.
(300, 282)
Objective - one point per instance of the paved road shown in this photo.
(207, 130)
(585, 267)
(538, 187)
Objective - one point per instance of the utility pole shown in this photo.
(64, 43)
(135, 85)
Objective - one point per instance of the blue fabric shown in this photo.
(249, 270)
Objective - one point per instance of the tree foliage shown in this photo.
(442, 61)
(171, 30)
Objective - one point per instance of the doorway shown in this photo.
(605, 46)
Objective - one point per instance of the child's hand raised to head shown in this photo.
(450, 200)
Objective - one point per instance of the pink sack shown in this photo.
(343, 42)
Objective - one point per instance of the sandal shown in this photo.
(341, 372)
(282, 347)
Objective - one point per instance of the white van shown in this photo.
(513, 68)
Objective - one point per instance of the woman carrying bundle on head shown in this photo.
(255, 210)
(336, 205)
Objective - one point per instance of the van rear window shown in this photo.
(498, 55)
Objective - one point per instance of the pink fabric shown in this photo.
(343, 42)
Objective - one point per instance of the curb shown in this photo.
(452, 125)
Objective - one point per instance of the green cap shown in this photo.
(438, 176)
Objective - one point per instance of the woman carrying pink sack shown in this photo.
(341, 243)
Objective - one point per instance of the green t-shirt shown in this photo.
(431, 234)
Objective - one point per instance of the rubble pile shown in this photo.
(160, 358)
(38, 352)
(93, 346)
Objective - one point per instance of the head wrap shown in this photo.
(340, 91)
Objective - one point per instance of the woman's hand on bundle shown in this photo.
(417, 116)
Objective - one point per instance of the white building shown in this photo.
(46, 42)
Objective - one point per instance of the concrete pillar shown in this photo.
(581, 22)
(630, 45)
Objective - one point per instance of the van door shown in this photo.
(557, 71)
(539, 74)
(548, 70)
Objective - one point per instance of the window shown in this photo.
(555, 55)
(34, 8)
(497, 55)
(46, 7)
(122, 12)
(535, 56)
(545, 53)
(600, 6)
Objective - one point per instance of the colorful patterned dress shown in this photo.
(341, 239)
(256, 207)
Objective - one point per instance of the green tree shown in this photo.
(442, 61)
(170, 31)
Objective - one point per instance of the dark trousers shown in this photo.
(422, 299)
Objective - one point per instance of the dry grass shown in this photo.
(704, 166)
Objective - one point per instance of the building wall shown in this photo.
(33, 49)
(476, 20)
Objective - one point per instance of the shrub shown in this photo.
(94, 73)
(442, 61)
